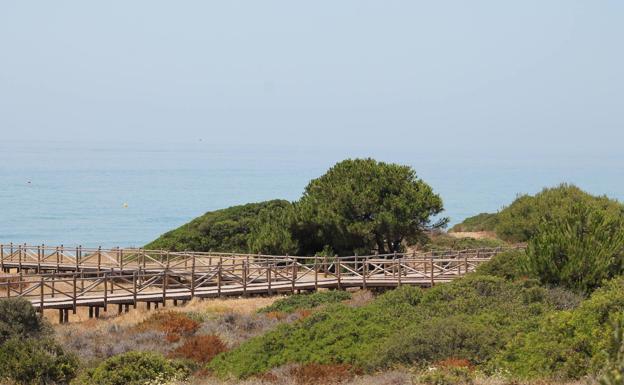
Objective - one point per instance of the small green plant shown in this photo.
(18, 319)
(36, 361)
(510, 265)
(296, 302)
(614, 372)
(135, 368)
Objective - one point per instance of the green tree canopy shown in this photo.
(578, 248)
(362, 204)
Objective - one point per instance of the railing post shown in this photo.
(58, 262)
(19, 250)
(364, 272)
(38, 259)
(465, 264)
(99, 258)
(193, 276)
(105, 292)
(121, 258)
(432, 278)
(112, 280)
(75, 294)
(134, 289)
(41, 297)
(398, 268)
(294, 275)
(316, 273)
(219, 267)
(53, 284)
(245, 267)
(338, 271)
(269, 277)
(164, 290)
(78, 252)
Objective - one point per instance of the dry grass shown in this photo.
(138, 315)
(165, 330)
(201, 349)
(173, 324)
(361, 298)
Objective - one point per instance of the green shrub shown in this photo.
(234, 229)
(566, 344)
(306, 301)
(445, 241)
(614, 372)
(374, 335)
(519, 221)
(18, 319)
(579, 249)
(479, 222)
(36, 361)
(460, 336)
(510, 265)
(134, 368)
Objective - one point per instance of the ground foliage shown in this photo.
(470, 318)
(520, 221)
(306, 301)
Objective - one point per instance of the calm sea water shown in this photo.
(128, 194)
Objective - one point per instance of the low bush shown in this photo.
(435, 339)
(445, 242)
(134, 368)
(566, 344)
(200, 349)
(246, 228)
(18, 319)
(36, 361)
(306, 301)
(479, 222)
(519, 221)
(510, 265)
(479, 314)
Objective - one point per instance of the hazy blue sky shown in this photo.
(522, 75)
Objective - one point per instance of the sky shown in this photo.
(473, 76)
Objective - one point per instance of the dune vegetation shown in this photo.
(549, 313)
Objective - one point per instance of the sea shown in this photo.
(127, 194)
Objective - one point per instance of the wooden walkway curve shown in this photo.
(65, 279)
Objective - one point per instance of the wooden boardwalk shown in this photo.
(64, 279)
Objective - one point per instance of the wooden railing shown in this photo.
(61, 278)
